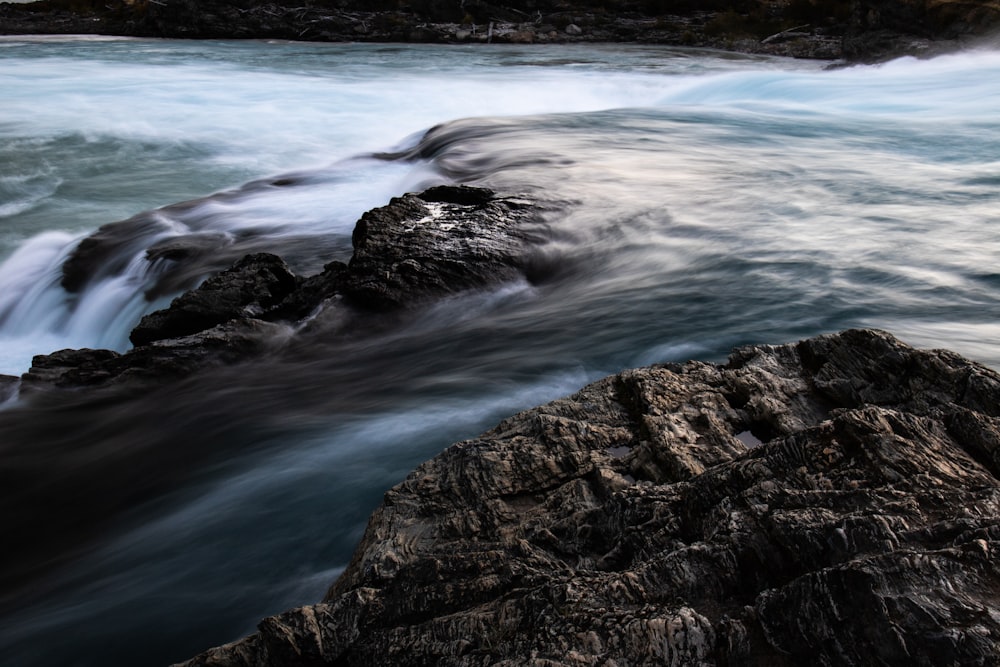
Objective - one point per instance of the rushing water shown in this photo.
(699, 200)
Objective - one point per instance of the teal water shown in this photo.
(699, 200)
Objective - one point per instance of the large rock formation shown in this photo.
(419, 247)
(830, 502)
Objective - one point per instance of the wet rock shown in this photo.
(156, 362)
(71, 368)
(108, 250)
(250, 287)
(420, 247)
(630, 524)
(444, 241)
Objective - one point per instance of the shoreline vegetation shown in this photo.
(855, 31)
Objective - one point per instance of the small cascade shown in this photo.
(75, 291)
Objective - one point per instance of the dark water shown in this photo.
(697, 201)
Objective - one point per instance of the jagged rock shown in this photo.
(446, 240)
(419, 247)
(250, 287)
(831, 502)
(108, 250)
(71, 368)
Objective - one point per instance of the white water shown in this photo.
(100, 130)
(703, 200)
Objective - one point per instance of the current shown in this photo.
(697, 200)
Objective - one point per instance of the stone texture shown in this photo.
(830, 502)
(249, 288)
(419, 247)
(445, 240)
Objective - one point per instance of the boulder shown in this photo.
(834, 501)
(443, 241)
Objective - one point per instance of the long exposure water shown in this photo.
(697, 201)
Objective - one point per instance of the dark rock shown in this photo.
(310, 294)
(458, 194)
(71, 368)
(250, 287)
(447, 240)
(873, 29)
(108, 250)
(155, 362)
(630, 524)
(228, 343)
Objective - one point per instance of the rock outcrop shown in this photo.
(830, 502)
(419, 247)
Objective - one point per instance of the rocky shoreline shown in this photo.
(850, 30)
(829, 502)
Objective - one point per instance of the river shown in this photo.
(697, 200)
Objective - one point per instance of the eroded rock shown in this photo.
(630, 524)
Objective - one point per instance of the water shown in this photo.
(699, 200)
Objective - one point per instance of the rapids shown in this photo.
(698, 200)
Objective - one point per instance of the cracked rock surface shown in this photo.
(830, 502)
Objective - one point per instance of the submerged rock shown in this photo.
(834, 501)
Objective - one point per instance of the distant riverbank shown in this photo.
(856, 31)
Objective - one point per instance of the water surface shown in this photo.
(697, 200)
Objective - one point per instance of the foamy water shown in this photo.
(698, 201)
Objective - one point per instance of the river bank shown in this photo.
(857, 31)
